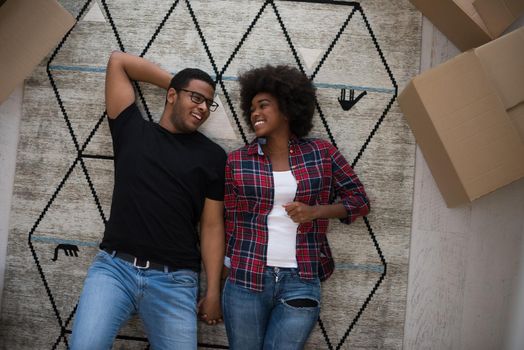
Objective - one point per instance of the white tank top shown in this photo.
(282, 231)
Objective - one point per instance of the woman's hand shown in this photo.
(300, 212)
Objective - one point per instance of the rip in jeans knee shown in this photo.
(302, 303)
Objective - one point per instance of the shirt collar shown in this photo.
(255, 147)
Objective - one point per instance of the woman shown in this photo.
(279, 197)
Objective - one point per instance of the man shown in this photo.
(168, 178)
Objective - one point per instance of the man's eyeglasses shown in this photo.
(199, 98)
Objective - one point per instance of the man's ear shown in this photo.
(172, 95)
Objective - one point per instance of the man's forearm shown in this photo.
(212, 245)
(140, 69)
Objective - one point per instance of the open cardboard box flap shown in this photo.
(502, 60)
(471, 23)
(466, 117)
(29, 30)
(498, 15)
(506, 73)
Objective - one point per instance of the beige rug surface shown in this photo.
(63, 182)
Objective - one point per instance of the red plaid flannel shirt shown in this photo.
(322, 175)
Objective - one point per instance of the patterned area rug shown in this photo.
(357, 54)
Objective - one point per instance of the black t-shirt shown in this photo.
(161, 182)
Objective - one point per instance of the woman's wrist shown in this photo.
(329, 211)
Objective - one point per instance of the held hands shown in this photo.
(209, 310)
(300, 212)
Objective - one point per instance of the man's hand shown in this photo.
(209, 310)
(300, 212)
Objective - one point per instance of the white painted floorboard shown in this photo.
(465, 285)
(10, 114)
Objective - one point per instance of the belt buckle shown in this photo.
(141, 267)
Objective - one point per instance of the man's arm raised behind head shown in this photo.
(122, 69)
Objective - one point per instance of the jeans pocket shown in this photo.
(184, 278)
(102, 256)
(302, 294)
(314, 282)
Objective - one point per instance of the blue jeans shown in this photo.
(280, 317)
(114, 290)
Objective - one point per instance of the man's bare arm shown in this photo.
(212, 247)
(122, 69)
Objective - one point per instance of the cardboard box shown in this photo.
(498, 15)
(467, 116)
(29, 30)
(463, 25)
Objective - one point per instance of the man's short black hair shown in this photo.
(293, 90)
(181, 79)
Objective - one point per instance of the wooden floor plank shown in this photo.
(466, 265)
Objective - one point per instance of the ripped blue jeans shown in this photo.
(281, 317)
